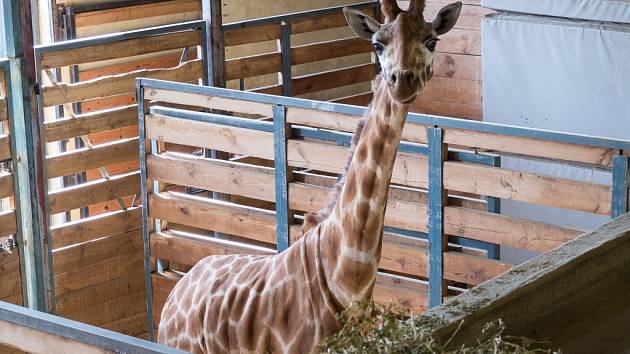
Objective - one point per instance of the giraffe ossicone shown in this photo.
(288, 302)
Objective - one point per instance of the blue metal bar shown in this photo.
(114, 37)
(494, 206)
(292, 17)
(142, 110)
(412, 117)
(437, 198)
(620, 186)
(79, 332)
(281, 176)
(285, 52)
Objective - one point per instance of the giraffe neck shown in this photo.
(352, 235)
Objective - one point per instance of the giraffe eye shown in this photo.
(431, 43)
(378, 48)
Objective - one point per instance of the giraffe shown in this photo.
(288, 302)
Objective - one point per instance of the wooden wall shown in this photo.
(98, 260)
(10, 279)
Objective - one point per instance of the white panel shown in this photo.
(597, 10)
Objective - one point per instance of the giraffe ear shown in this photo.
(447, 17)
(363, 25)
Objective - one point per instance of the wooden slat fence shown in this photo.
(97, 254)
(416, 269)
(10, 276)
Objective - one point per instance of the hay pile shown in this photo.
(373, 329)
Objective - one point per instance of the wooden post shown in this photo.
(30, 180)
(212, 14)
(285, 52)
(438, 242)
(620, 185)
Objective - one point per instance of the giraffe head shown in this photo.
(404, 43)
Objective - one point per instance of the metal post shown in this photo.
(142, 110)
(494, 206)
(620, 185)
(283, 215)
(28, 159)
(285, 52)
(215, 52)
(438, 152)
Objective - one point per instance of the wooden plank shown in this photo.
(118, 84)
(453, 90)
(347, 123)
(115, 309)
(219, 176)
(409, 169)
(33, 341)
(330, 49)
(138, 12)
(97, 251)
(333, 79)
(318, 23)
(252, 35)
(447, 109)
(5, 147)
(10, 270)
(530, 147)
(134, 325)
(505, 230)
(125, 48)
(469, 18)
(91, 123)
(127, 281)
(460, 41)
(8, 224)
(457, 66)
(189, 251)
(93, 192)
(362, 99)
(528, 187)
(6, 185)
(86, 159)
(254, 65)
(220, 103)
(84, 230)
(213, 136)
(4, 115)
(208, 214)
(410, 294)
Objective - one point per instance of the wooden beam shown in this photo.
(190, 250)
(212, 136)
(255, 65)
(138, 12)
(94, 192)
(7, 223)
(3, 109)
(252, 35)
(528, 187)
(409, 169)
(90, 123)
(6, 185)
(361, 99)
(5, 147)
(125, 48)
(319, 23)
(117, 84)
(208, 214)
(332, 79)
(96, 227)
(565, 291)
(219, 103)
(85, 159)
(330, 49)
(215, 175)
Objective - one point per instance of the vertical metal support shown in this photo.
(438, 152)
(620, 185)
(30, 181)
(285, 52)
(494, 206)
(283, 216)
(142, 110)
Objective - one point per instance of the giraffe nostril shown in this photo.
(393, 79)
(409, 76)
